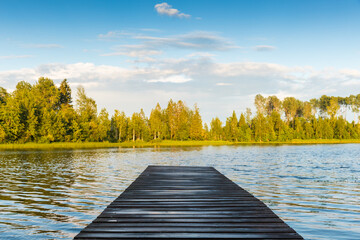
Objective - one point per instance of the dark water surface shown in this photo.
(54, 194)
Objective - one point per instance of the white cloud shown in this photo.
(202, 42)
(82, 71)
(15, 56)
(114, 35)
(77, 73)
(251, 69)
(11, 77)
(264, 48)
(195, 40)
(351, 73)
(218, 88)
(166, 9)
(136, 51)
(171, 79)
(201, 54)
(223, 84)
(133, 52)
(352, 83)
(87, 85)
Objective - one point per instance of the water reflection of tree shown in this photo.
(37, 181)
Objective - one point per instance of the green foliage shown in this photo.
(196, 128)
(291, 107)
(119, 125)
(216, 132)
(65, 93)
(157, 122)
(103, 126)
(231, 128)
(44, 113)
(2, 134)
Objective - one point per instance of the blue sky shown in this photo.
(219, 54)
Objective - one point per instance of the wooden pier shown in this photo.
(186, 202)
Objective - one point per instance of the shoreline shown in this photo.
(165, 143)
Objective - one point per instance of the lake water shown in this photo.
(54, 194)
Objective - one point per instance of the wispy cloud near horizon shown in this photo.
(135, 51)
(16, 56)
(171, 79)
(193, 79)
(264, 48)
(113, 35)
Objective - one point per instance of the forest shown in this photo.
(45, 113)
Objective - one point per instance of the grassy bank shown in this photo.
(166, 143)
(80, 145)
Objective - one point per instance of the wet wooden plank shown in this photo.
(177, 229)
(144, 235)
(189, 225)
(189, 220)
(170, 202)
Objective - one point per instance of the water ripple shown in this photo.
(54, 194)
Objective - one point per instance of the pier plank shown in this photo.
(168, 202)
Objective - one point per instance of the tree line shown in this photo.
(45, 113)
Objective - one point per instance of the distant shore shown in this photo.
(165, 143)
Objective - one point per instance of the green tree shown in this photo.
(104, 126)
(231, 128)
(156, 121)
(196, 128)
(16, 112)
(139, 126)
(277, 125)
(340, 129)
(171, 118)
(309, 131)
(324, 103)
(3, 95)
(273, 104)
(260, 104)
(259, 126)
(65, 93)
(87, 114)
(2, 134)
(290, 105)
(309, 110)
(120, 122)
(67, 115)
(216, 129)
(355, 105)
(333, 107)
(144, 127)
(299, 130)
(206, 132)
(244, 129)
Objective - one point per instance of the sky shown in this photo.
(130, 55)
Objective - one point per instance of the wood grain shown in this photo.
(168, 202)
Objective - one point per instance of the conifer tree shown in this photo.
(65, 93)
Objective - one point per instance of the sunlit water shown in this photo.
(54, 194)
